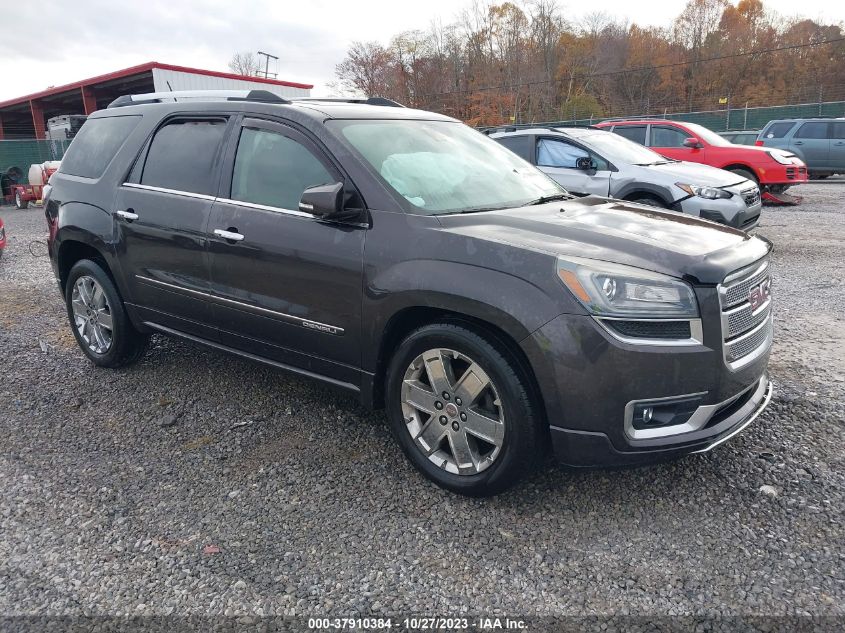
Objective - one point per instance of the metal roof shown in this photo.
(142, 68)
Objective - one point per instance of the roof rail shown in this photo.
(264, 96)
(377, 101)
(529, 126)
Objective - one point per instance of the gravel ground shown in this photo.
(197, 483)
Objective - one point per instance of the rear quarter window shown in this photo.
(778, 130)
(96, 144)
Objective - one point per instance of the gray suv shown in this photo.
(405, 258)
(593, 161)
(818, 142)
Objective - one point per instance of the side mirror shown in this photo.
(584, 163)
(692, 142)
(323, 200)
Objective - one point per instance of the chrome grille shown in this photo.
(746, 331)
(741, 347)
(751, 196)
(735, 288)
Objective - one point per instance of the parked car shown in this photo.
(410, 260)
(741, 137)
(2, 237)
(592, 161)
(819, 142)
(772, 169)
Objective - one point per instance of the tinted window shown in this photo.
(274, 170)
(667, 137)
(838, 130)
(812, 129)
(519, 145)
(778, 130)
(634, 133)
(183, 155)
(96, 144)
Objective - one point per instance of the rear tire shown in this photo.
(98, 317)
(481, 435)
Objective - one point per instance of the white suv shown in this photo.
(591, 161)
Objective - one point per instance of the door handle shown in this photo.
(229, 235)
(840, 143)
(129, 215)
(797, 142)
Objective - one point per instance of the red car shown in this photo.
(2, 237)
(772, 169)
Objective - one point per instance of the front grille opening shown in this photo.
(667, 330)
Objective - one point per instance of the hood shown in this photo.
(696, 174)
(769, 150)
(621, 232)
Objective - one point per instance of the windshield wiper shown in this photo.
(552, 198)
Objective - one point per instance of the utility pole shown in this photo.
(267, 57)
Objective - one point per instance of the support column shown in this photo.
(2, 135)
(38, 119)
(89, 101)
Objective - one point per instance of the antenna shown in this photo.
(267, 57)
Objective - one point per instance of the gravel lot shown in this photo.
(198, 483)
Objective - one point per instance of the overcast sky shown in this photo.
(70, 41)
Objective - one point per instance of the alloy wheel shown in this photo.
(453, 411)
(92, 314)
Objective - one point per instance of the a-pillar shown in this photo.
(38, 119)
(89, 101)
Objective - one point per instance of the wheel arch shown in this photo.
(641, 189)
(413, 317)
(744, 167)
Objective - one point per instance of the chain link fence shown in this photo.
(725, 118)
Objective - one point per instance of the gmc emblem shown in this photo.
(758, 295)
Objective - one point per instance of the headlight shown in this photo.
(711, 193)
(614, 290)
(783, 159)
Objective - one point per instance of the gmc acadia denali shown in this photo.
(407, 258)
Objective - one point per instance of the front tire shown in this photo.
(98, 317)
(461, 410)
(744, 173)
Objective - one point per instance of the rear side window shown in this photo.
(667, 137)
(634, 133)
(273, 170)
(838, 131)
(183, 156)
(96, 144)
(812, 129)
(519, 145)
(778, 130)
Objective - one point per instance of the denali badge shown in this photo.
(760, 294)
(322, 327)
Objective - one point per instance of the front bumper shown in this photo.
(589, 380)
(781, 174)
(585, 449)
(731, 211)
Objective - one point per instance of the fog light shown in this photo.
(664, 412)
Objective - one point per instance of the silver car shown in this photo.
(592, 161)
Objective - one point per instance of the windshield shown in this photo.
(445, 167)
(708, 136)
(618, 149)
